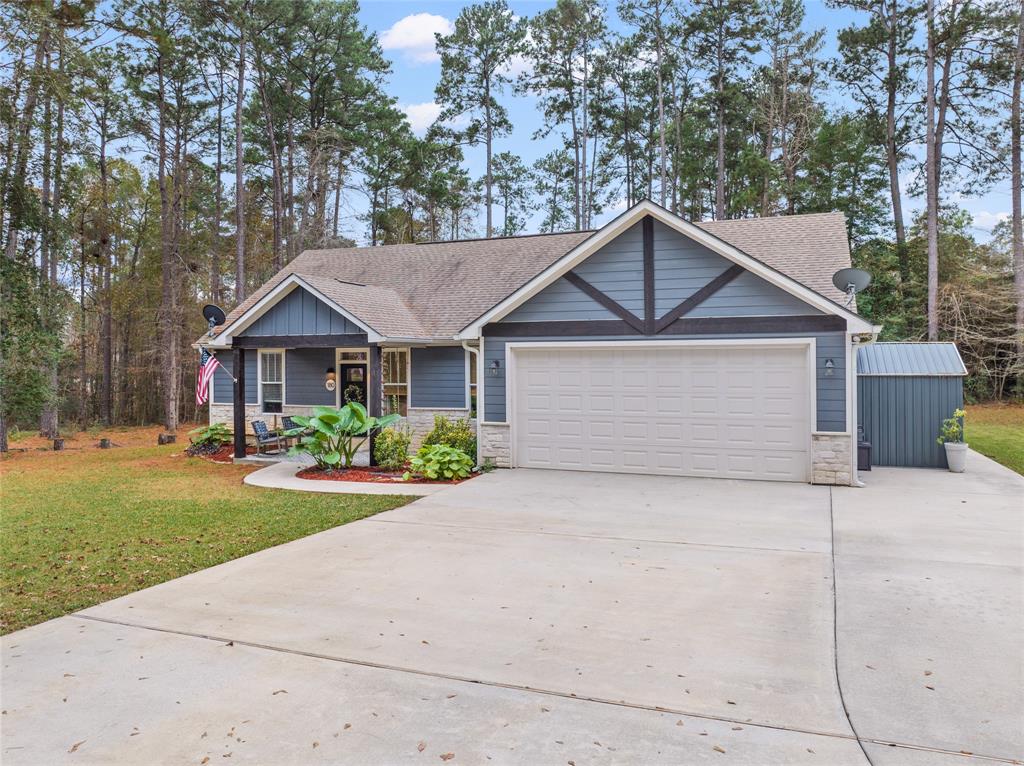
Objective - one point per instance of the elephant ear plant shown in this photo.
(332, 436)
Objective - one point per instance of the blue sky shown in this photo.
(406, 29)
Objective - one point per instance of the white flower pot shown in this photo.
(956, 456)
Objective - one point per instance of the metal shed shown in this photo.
(904, 392)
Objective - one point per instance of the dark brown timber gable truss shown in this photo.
(673, 321)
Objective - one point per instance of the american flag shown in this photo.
(207, 364)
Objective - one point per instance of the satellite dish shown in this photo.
(851, 282)
(214, 315)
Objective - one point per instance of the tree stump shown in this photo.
(166, 439)
(105, 444)
(58, 445)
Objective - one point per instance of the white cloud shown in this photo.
(414, 36)
(986, 220)
(422, 116)
(516, 66)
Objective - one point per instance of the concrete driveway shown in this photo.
(547, 617)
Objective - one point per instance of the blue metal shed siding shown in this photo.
(830, 390)
(223, 385)
(910, 359)
(301, 313)
(901, 416)
(305, 371)
(438, 377)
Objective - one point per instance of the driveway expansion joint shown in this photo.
(613, 538)
(542, 691)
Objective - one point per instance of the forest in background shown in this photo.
(163, 154)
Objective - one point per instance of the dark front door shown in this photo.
(353, 383)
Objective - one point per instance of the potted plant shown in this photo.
(952, 438)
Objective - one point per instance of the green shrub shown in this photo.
(332, 436)
(952, 428)
(391, 448)
(215, 435)
(439, 461)
(458, 433)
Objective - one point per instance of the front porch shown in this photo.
(352, 370)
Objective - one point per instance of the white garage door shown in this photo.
(727, 411)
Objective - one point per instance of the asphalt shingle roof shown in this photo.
(433, 290)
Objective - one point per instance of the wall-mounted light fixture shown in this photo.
(494, 369)
(829, 368)
(330, 379)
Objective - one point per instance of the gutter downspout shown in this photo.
(857, 340)
(479, 415)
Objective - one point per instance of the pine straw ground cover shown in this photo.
(997, 430)
(87, 525)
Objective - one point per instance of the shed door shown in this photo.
(733, 412)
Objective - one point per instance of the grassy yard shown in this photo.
(997, 430)
(87, 525)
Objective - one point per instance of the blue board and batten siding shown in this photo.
(223, 379)
(438, 377)
(301, 313)
(305, 370)
(904, 392)
(681, 267)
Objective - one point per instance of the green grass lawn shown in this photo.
(88, 525)
(997, 430)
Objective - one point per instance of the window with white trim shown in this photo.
(471, 383)
(271, 382)
(395, 371)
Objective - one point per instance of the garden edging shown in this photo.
(282, 476)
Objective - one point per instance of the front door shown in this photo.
(353, 383)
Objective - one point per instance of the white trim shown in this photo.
(611, 230)
(851, 406)
(408, 374)
(272, 298)
(259, 379)
(337, 370)
(911, 374)
(809, 342)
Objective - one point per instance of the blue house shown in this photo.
(653, 345)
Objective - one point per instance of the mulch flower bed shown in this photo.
(223, 454)
(373, 475)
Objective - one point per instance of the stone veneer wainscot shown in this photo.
(831, 457)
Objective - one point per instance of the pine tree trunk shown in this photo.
(275, 159)
(661, 114)
(720, 118)
(168, 271)
(106, 340)
(83, 400)
(48, 422)
(16, 213)
(218, 200)
(1015, 186)
(489, 179)
(932, 181)
(892, 150)
(240, 174)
